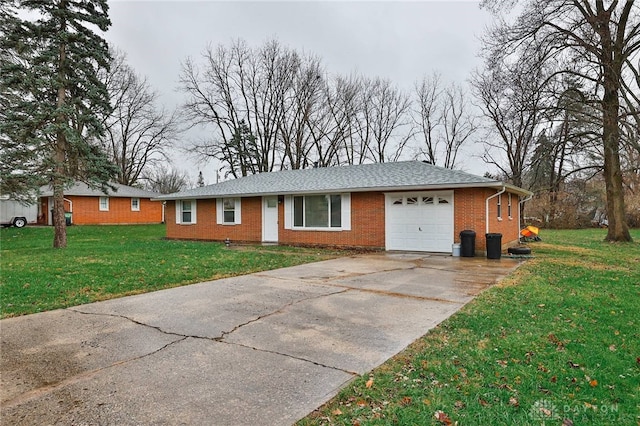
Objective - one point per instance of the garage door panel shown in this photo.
(419, 223)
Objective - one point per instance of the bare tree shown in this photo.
(511, 98)
(138, 130)
(458, 123)
(596, 41)
(427, 115)
(165, 180)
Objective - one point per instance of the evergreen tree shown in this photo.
(52, 100)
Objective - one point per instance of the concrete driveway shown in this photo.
(266, 348)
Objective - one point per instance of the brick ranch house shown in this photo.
(89, 206)
(410, 206)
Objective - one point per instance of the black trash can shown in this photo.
(467, 243)
(494, 246)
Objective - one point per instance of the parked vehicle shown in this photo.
(15, 213)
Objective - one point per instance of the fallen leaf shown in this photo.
(426, 401)
(554, 379)
(356, 423)
(406, 400)
(442, 418)
(514, 402)
(459, 404)
(567, 422)
(593, 383)
(612, 348)
(482, 402)
(545, 411)
(369, 383)
(336, 412)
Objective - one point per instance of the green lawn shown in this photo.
(103, 262)
(557, 343)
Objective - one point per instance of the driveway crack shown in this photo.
(277, 311)
(319, 364)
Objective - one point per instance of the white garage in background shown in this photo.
(419, 221)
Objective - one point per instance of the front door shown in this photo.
(270, 219)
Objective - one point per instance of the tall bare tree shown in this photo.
(596, 40)
(511, 98)
(427, 115)
(138, 130)
(458, 123)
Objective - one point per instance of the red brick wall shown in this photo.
(367, 225)
(86, 211)
(367, 221)
(470, 213)
(206, 228)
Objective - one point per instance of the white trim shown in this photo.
(179, 212)
(106, 203)
(237, 208)
(288, 211)
(345, 220)
(135, 209)
(219, 211)
(345, 213)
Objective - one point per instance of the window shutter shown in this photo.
(346, 212)
(237, 215)
(194, 217)
(288, 211)
(178, 211)
(219, 211)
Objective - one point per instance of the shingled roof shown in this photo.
(400, 176)
(83, 190)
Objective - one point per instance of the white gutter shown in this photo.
(70, 204)
(504, 188)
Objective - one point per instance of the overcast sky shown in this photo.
(401, 41)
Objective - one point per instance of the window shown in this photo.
(427, 200)
(500, 206)
(104, 204)
(509, 206)
(412, 200)
(329, 211)
(228, 211)
(442, 200)
(135, 204)
(186, 211)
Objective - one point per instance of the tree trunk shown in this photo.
(617, 228)
(59, 223)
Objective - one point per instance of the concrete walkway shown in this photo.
(266, 348)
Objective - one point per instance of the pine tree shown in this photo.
(52, 100)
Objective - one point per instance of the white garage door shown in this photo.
(420, 221)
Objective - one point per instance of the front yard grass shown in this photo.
(557, 343)
(104, 262)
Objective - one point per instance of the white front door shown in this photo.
(270, 219)
(421, 221)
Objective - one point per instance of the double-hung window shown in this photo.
(322, 212)
(228, 211)
(135, 204)
(499, 206)
(186, 211)
(509, 210)
(104, 204)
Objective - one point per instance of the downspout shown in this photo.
(521, 219)
(70, 204)
(502, 191)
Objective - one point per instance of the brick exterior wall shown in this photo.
(86, 211)
(367, 222)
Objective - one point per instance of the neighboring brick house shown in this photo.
(410, 206)
(89, 206)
